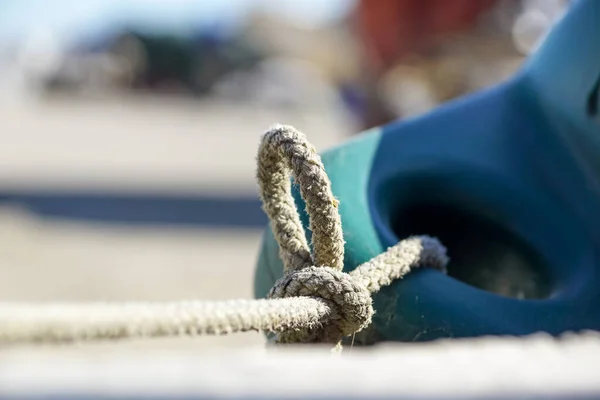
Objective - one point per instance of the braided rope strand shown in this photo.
(398, 260)
(310, 303)
(64, 322)
(285, 151)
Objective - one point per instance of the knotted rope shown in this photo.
(313, 302)
(285, 152)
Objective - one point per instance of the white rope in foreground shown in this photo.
(313, 302)
(532, 367)
(64, 322)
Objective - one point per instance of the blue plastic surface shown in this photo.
(507, 178)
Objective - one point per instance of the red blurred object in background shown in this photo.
(392, 29)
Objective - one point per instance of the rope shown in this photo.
(283, 151)
(75, 322)
(313, 302)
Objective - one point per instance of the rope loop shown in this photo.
(285, 153)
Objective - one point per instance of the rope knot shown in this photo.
(316, 275)
(349, 300)
(314, 301)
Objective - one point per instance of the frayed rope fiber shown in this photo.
(314, 302)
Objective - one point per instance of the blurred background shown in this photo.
(129, 128)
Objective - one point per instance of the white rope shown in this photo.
(75, 322)
(65, 322)
(310, 303)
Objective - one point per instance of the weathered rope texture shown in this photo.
(313, 302)
(285, 152)
(282, 152)
(64, 322)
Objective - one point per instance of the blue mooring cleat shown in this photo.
(508, 179)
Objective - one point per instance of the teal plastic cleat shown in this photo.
(508, 179)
